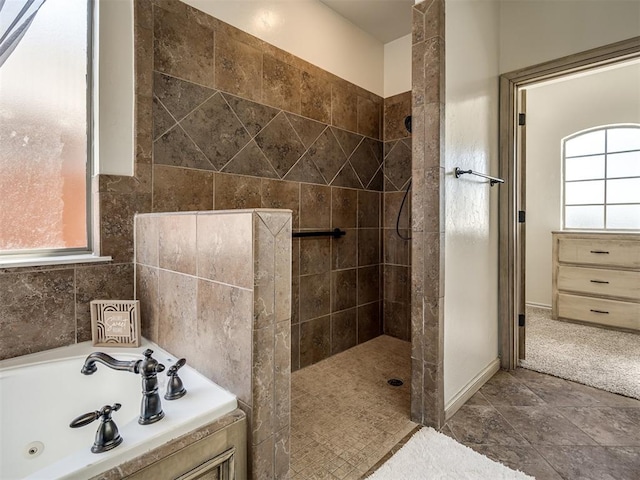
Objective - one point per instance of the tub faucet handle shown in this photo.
(107, 436)
(175, 388)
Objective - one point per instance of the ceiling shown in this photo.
(386, 20)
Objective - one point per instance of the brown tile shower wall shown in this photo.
(214, 287)
(238, 123)
(396, 256)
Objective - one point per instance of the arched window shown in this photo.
(601, 179)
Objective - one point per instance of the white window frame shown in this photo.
(604, 204)
(87, 254)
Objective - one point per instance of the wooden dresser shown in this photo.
(596, 278)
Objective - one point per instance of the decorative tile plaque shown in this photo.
(115, 323)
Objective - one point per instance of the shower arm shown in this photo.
(492, 180)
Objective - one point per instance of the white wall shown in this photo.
(397, 66)
(471, 233)
(555, 111)
(113, 104)
(309, 30)
(535, 31)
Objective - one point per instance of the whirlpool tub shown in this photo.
(41, 393)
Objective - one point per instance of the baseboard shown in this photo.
(470, 389)
(538, 305)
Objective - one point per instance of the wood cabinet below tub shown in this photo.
(596, 278)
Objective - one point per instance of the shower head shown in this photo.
(407, 123)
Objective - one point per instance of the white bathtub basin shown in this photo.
(41, 393)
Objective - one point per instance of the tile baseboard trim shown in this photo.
(470, 389)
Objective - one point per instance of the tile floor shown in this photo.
(551, 428)
(346, 420)
(344, 415)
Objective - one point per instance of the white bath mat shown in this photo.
(434, 456)
(605, 359)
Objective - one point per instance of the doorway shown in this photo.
(512, 202)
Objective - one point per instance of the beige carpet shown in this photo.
(605, 359)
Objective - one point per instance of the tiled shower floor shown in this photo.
(344, 415)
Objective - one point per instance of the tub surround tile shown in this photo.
(280, 194)
(366, 159)
(223, 245)
(177, 307)
(100, 282)
(177, 243)
(147, 293)
(238, 67)
(216, 131)
(315, 97)
(220, 323)
(305, 170)
(38, 311)
(250, 161)
(254, 116)
(176, 148)
(178, 96)
(179, 189)
(146, 240)
(280, 144)
(182, 48)
(237, 192)
(116, 212)
(281, 84)
(206, 315)
(308, 130)
(327, 155)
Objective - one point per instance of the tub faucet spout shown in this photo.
(148, 368)
(89, 366)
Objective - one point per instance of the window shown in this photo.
(602, 179)
(45, 127)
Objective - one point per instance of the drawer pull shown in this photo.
(599, 251)
(598, 281)
(599, 311)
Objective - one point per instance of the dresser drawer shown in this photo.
(615, 253)
(600, 281)
(595, 310)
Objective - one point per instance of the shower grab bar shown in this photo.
(492, 180)
(335, 233)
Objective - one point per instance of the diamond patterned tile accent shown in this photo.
(365, 162)
(254, 116)
(162, 119)
(178, 96)
(347, 178)
(397, 165)
(308, 130)
(327, 155)
(216, 130)
(280, 144)
(177, 149)
(377, 182)
(251, 161)
(347, 140)
(305, 171)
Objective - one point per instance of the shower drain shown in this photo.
(395, 382)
